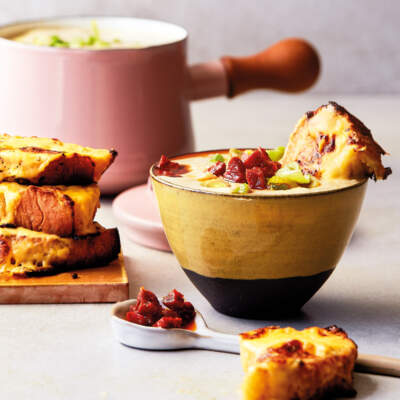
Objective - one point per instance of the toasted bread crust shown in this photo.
(286, 364)
(43, 161)
(25, 253)
(332, 143)
(44, 210)
(60, 210)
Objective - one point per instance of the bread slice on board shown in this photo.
(60, 210)
(43, 161)
(286, 364)
(25, 253)
(331, 143)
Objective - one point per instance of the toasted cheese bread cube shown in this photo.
(25, 253)
(287, 364)
(44, 161)
(331, 143)
(60, 210)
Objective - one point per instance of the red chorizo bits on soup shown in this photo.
(236, 171)
(174, 312)
(251, 167)
(167, 167)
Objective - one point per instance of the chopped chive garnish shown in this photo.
(217, 157)
(276, 154)
(243, 188)
(56, 41)
(290, 174)
(93, 40)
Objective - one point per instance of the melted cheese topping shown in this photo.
(283, 363)
(27, 157)
(8, 142)
(86, 202)
(29, 248)
(333, 144)
(198, 175)
(23, 250)
(23, 164)
(316, 341)
(85, 199)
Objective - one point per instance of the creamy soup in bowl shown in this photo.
(259, 231)
(196, 174)
(260, 253)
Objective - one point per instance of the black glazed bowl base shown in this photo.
(258, 298)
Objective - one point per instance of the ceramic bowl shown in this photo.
(257, 257)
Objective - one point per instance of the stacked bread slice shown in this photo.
(48, 201)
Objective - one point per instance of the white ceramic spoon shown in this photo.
(149, 338)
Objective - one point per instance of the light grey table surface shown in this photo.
(68, 351)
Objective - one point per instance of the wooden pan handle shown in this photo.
(380, 365)
(291, 65)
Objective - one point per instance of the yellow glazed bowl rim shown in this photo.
(244, 196)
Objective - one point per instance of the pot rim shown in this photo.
(9, 42)
(243, 196)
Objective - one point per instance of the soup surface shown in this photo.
(329, 149)
(76, 38)
(199, 178)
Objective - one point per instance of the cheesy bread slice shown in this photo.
(287, 364)
(60, 210)
(44, 161)
(25, 253)
(331, 143)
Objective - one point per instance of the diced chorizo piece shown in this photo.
(166, 312)
(167, 167)
(256, 178)
(218, 169)
(147, 304)
(168, 323)
(137, 318)
(174, 300)
(264, 156)
(252, 160)
(236, 171)
(163, 162)
(187, 312)
(270, 169)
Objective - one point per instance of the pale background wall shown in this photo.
(359, 40)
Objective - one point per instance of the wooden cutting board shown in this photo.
(93, 285)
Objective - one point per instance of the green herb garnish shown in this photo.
(56, 41)
(276, 154)
(290, 175)
(95, 30)
(243, 188)
(93, 40)
(293, 173)
(217, 158)
(279, 186)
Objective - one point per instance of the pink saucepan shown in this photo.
(134, 100)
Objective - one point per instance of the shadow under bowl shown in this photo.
(258, 256)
